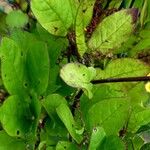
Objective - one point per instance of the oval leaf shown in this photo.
(56, 16)
(113, 30)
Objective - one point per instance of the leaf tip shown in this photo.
(134, 13)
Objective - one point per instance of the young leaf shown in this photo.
(56, 16)
(65, 115)
(113, 31)
(78, 76)
(20, 20)
(98, 135)
(7, 142)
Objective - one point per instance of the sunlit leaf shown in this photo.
(124, 67)
(78, 76)
(56, 16)
(113, 31)
(80, 33)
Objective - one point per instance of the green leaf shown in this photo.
(87, 9)
(37, 66)
(55, 44)
(137, 141)
(143, 44)
(138, 118)
(110, 114)
(113, 31)
(124, 67)
(63, 145)
(80, 34)
(112, 143)
(27, 72)
(12, 67)
(98, 134)
(3, 27)
(66, 116)
(20, 20)
(115, 4)
(144, 12)
(16, 117)
(53, 132)
(7, 142)
(127, 3)
(101, 92)
(145, 146)
(52, 101)
(144, 34)
(56, 16)
(54, 128)
(78, 76)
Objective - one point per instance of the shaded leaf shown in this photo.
(20, 20)
(63, 145)
(16, 117)
(7, 142)
(37, 66)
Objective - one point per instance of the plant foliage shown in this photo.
(54, 56)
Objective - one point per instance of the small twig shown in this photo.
(126, 79)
